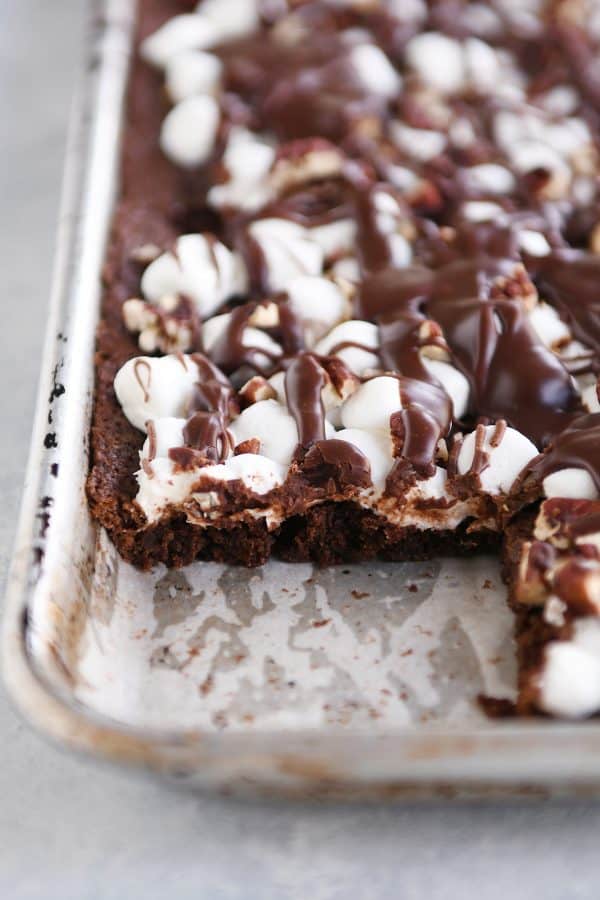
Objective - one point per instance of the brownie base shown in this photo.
(326, 534)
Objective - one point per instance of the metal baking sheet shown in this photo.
(350, 680)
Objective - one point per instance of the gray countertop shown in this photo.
(71, 829)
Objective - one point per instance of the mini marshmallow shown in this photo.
(480, 19)
(575, 484)
(359, 358)
(482, 65)
(277, 382)
(271, 423)
(214, 22)
(438, 60)
(534, 243)
(347, 268)
(181, 33)
(561, 100)
(490, 178)
(527, 156)
(372, 404)
(335, 237)
(481, 211)
(569, 684)
(505, 461)
(232, 18)
(189, 130)
(375, 71)
(548, 325)
(248, 159)
(154, 387)
(319, 303)
(433, 488)
(400, 251)
(160, 485)
(376, 446)
(420, 143)
(168, 433)
(402, 178)
(453, 381)
(203, 269)
(193, 72)
(461, 133)
(288, 251)
(165, 485)
(213, 329)
(256, 472)
(568, 136)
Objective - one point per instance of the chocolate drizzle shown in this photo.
(304, 381)
(578, 446)
(570, 280)
(420, 424)
(330, 464)
(513, 376)
(394, 299)
(144, 386)
(466, 298)
(212, 407)
(230, 352)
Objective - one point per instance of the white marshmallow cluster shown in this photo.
(163, 486)
(214, 329)
(451, 66)
(213, 23)
(193, 75)
(319, 303)
(506, 460)
(534, 141)
(200, 268)
(374, 70)
(356, 342)
(530, 241)
(160, 389)
(290, 250)
(152, 388)
(248, 159)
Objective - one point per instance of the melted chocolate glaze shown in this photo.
(304, 380)
(465, 298)
(578, 446)
(212, 407)
(570, 280)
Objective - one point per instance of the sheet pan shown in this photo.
(347, 681)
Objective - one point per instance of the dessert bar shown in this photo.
(351, 300)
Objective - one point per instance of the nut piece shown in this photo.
(145, 254)
(265, 315)
(303, 161)
(252, 445)
(257, 388)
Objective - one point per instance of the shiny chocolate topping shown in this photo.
(578, 447)
(570, 279)
(212, 407)
(469, 200)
